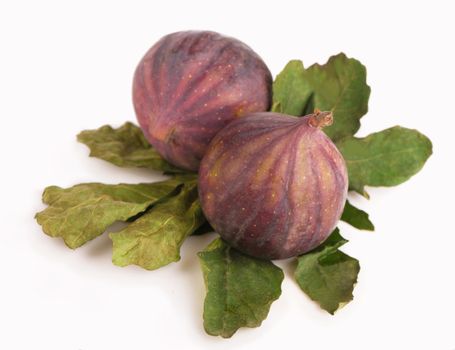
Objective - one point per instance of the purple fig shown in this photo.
(273, 186)
(191, 84)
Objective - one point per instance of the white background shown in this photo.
(67, 66)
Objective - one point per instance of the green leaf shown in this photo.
(240, 289)
(83, 212)
(356, 217)
(291, 90)
(328, 275)
(125, 146)
(385, 158)
(339, 86)
(154, 240)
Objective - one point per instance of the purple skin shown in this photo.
(190, 85)
(273, 186)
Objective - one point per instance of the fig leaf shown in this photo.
(356, 217)
(240, 289)
(154, 240)
(125, 146)
(82, 212)
(338, 86)
(291, 91)
(328, 275)
(385, 158)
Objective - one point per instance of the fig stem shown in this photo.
(320, 119)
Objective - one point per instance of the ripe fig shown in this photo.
(191, 84)
(273, 186)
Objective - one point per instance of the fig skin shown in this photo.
(191, 84)
(273, 186)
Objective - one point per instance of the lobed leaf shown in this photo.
(385, 158)
(125, 146)
(82, 212)
(328, 275)
(240, 289)
(356, 217)
(154, 240)
(339, 86)
(291, 90)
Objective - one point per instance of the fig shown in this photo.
(272, 185)
(191, 84)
